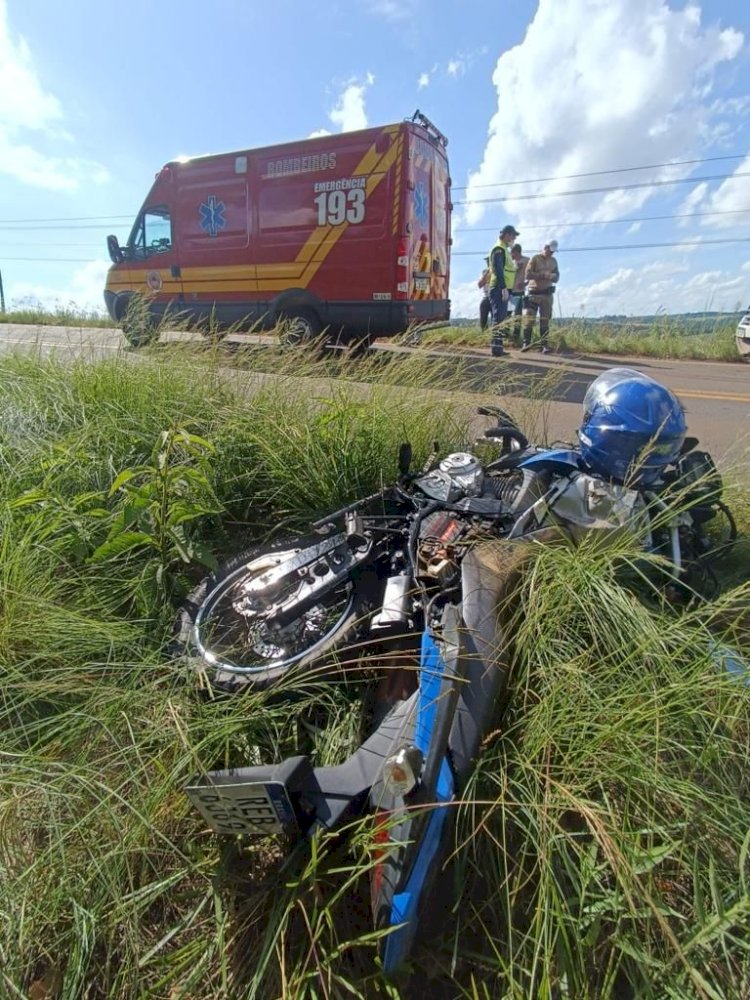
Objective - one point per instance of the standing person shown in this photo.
(502, 276)
(517, 293)
(542, 274)
(485, 307)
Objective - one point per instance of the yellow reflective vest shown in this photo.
(509, 268)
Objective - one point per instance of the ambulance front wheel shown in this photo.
(136, 321)
(299, 326)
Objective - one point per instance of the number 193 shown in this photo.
(337, 207)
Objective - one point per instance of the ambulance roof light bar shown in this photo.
(419, 119)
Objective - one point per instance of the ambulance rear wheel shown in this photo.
(299, 326)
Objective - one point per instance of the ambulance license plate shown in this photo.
(421, 284)
(258, 809)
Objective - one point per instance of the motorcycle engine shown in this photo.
(465, 470)
(459, 475)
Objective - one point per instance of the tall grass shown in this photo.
(602, 846)
(712, 339)
(33, 313)
(667, 337)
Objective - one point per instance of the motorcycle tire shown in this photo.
(211, 633)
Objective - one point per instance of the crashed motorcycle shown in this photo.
(428, 563)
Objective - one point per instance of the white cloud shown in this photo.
(349, 113)
(732, 195)
(394, 10)
(462, 62)
(27, 108)
(746, 266)
(666, 287)
(318, 133)
(597, 84)
(83, 290)
(691, 203)
(426, 77)
(465, 299)
(735, 106)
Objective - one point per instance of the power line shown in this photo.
(602, 190)
(484, 229)
(611, 222)
(52, 260)
(66, 218)
(624, 246)
(43, 246)
(599, 173)
(467, 253)
(27, 229)
(465, 187)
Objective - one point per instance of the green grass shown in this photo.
(668, 337)
(35, 314)
(602, 847)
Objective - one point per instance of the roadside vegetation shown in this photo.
(602, 850)
(712, 339)
(665, 337)
(34, 314)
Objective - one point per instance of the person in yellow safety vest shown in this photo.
(502, 277)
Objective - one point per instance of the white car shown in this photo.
(743, 334)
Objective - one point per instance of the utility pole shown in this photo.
(2, 295)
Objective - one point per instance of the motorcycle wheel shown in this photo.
(238, 652)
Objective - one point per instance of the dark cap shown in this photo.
(509, 231)
(516, 248)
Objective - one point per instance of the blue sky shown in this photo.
(95, 97)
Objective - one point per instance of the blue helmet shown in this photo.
(633, 427)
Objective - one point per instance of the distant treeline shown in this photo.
(703, 322)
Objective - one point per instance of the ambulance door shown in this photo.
(420, 216)
(153, 258)
(441, 209)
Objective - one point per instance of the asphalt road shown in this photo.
(716, 395)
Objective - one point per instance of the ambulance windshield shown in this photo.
(152, 233)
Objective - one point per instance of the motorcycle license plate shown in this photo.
(258, 809)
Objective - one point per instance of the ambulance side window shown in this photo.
(152, 233)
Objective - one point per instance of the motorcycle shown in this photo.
(426, 562)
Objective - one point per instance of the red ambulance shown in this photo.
(348, 233)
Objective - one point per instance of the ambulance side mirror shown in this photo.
(115, 253)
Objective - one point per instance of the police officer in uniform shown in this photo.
(502, 277)
(542, 274)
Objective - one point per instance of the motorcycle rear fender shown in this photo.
(323, 797)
